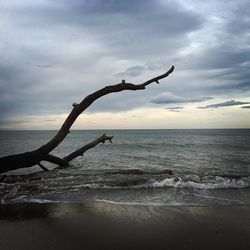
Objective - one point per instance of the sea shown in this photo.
(165, 167)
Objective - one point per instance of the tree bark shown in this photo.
(29, 159)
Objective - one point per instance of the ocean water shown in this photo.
(209, 168)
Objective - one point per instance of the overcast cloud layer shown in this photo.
(54, 53)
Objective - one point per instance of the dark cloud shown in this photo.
(127, 28)
(222, 59)
(175, 109)
(245, 107)
(167, 98)
(224, 104)
(239, 22)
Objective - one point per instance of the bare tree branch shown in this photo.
(79, 152)
(88, 146)
(55, 160)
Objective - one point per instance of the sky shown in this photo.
(55, 52)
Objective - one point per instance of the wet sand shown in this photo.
(109, 226)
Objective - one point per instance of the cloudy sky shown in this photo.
(55, 52)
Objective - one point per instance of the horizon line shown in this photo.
(124, 129)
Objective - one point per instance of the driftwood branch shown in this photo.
(79, 152)
(55, 160)
(88, 146)
(32, 158)
(42, 167)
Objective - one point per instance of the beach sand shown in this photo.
(103, 225)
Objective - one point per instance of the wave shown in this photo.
(119, 179)
(216, 182)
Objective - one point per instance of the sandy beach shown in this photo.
(103, 225)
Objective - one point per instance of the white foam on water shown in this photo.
(146, 203)
(23, 198)
(217, 183)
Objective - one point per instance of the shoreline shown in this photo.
(101, 225)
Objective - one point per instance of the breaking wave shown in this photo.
(206, 183)
(41, 189)
(218, 183)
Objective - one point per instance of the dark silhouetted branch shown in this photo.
(42, 167)
(79, 152)
(88, 146)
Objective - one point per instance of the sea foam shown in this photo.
(216, 183)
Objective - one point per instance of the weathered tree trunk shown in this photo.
(29, 159)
